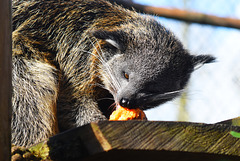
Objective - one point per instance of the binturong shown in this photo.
(73, 61)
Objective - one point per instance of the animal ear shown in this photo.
(114, 38)
(200, 60)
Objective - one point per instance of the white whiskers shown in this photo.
(164, 96)
(107, 74)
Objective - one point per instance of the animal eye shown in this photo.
(125, 75)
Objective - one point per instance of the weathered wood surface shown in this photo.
(146, 140)
(5, 79)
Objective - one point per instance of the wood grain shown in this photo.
(172, 136)
(146, 140)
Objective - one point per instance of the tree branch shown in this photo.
(182, 15)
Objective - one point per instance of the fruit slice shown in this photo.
(122, 113)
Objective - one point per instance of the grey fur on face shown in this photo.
(157, 65)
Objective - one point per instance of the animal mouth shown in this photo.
(107, 104)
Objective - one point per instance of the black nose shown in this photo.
(124, 102)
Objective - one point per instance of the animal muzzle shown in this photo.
(146, 101)
(125, 102)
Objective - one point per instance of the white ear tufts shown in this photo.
(200, 60)
(113, 43)
(198, 66)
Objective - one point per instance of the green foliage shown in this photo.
(40, 150)
(235, 134)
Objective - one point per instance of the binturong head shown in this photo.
(144, 65)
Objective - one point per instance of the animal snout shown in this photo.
(131, 101)
(124, 102)
(127, 103)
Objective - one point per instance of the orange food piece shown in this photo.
(127, 114)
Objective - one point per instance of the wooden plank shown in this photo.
(172, 136)
(5, 79)
(146, 140)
